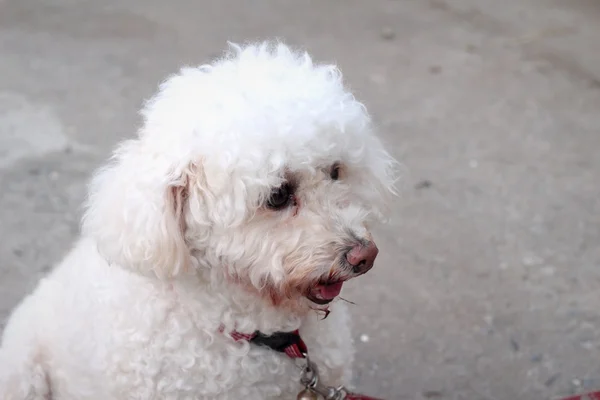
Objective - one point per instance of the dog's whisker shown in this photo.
(348, 301)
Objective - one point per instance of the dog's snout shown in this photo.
(362, 257)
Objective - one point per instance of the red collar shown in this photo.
(289, 343)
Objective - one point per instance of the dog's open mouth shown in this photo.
(325, 292)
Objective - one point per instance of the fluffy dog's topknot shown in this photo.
(249, 97)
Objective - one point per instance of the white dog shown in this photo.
(242, 205)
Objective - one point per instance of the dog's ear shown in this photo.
(135, 211)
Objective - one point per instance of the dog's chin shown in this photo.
(325, 292)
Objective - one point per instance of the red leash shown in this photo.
(292, 345)
(587, 396)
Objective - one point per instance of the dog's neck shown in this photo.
(214, 300)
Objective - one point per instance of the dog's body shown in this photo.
(139, 338)
(243, 205)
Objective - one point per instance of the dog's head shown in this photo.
(261, 167)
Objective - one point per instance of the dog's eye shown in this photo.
(335, 172)
(280, 197)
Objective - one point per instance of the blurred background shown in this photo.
(487, 281)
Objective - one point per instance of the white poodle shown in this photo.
(241, 207)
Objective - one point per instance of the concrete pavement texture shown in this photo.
(486, 284)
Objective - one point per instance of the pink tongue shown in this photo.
(329, 292)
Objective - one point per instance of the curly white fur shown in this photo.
(177, 241)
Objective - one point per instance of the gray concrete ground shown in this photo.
(487, 282)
